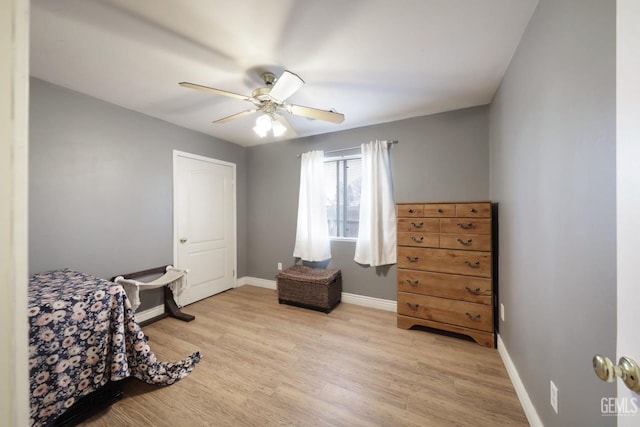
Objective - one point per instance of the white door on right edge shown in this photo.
(628, 200)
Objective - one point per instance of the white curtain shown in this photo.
(376, 244)
(312, 236)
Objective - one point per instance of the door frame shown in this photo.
(234, 216)
(14, 166)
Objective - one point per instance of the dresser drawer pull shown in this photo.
(415, 239)
(466, 226)
(412, 259)
(410, 210)
(413, 307)
(467, 243)
(440, 211)
(472, 264)
(471, 316)
(473, 210)
(414, 283)
(417, 225)
(471, 291)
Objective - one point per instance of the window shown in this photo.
(343, 177)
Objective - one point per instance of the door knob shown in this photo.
(627, 369)
(183, 240)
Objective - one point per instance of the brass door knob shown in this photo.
(183, 240)
(627, 369)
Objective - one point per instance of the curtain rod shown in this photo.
(393, 141)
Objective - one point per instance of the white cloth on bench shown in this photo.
(175, 278)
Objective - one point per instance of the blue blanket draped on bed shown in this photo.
(82, 335)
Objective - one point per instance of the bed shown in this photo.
(83, 339)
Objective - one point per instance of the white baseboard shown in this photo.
(149, 313)
(380, 304)
(521, 391)
(254, 281)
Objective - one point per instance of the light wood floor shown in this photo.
(266, 364)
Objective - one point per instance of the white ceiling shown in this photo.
(375, 61)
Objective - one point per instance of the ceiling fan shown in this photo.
(271, 99)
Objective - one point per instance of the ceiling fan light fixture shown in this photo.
(278, 128)
(260, 132)
(269, 122)
(263, 125)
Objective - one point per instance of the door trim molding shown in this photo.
(234, 213)
(14, 166)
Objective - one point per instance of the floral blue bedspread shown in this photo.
(83, 334)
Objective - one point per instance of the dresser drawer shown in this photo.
(440, 210)
(460, 313)
(470, 242)
(424, 225)
(469, 263)
(411, 211)
(465, 225)
(467, 288)
(424, 240)
(473, 210)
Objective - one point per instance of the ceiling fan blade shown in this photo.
(214, 90)
(286, 85)
(314, 113)
(234, 116)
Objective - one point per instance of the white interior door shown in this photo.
(628, 196)
(204, 224)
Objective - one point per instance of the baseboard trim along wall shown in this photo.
(521, 391)
(254, 281)
(380, 304)
(149, 313)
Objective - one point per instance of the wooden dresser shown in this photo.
(446, 269)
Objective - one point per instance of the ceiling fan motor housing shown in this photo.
(261, 94)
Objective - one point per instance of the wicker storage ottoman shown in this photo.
(315, 288)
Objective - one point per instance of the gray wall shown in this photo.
(552, 127)
(438, 157)
(100, 185)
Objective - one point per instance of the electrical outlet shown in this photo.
(554, 397)
(279, 266)
(502, 312)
